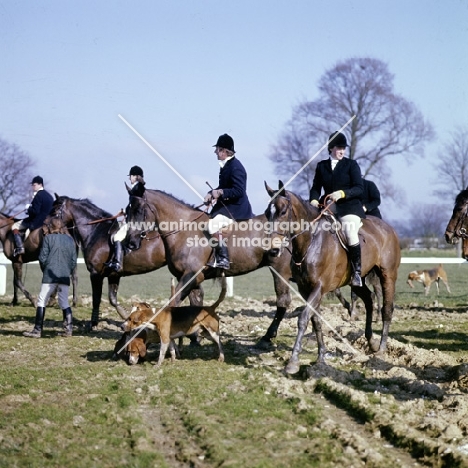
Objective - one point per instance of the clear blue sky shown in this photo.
(184, 72)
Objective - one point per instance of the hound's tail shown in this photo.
(222, 294)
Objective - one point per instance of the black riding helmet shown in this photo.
(225, 141)
(136, 170)
(337, 139)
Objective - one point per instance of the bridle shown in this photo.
(460, 231)
(326, 211)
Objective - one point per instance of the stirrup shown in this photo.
(223, 264)
(356, 280)
(18, 251)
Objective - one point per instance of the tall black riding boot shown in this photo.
(222, 257)
(19, 247)
(36, 332)
(67, 323)
(355, 259)
(116, 261)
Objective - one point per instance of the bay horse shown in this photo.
(91, 227)
(457, 227)
(32, 246)
(320, 264)
(182, 229)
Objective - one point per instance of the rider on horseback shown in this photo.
(230, 199)
(138, 189)
(340, 178)
(37, 211)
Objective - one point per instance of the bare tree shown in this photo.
(452, 168)
(385, 124)
(15, 176)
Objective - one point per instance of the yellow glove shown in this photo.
(335, 196)
(314, 203)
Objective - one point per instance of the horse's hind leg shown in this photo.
(74, 279)
(388, 279)
(283, 300)
(365, 294)
(18, 284)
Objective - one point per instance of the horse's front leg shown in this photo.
(187, 282)
(311, 310)
(196, 296)
(283, 300)
(113, 284)
(96, 286)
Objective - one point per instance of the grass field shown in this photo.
(258, 285)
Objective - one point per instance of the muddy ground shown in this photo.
(408, 408)
(413, 400)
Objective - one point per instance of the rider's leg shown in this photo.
(351, 225)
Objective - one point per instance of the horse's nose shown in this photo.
(274, 252)
(448, 237)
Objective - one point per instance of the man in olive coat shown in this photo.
(57, 260)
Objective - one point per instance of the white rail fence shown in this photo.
(230, 281)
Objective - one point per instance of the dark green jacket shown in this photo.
(57, 258)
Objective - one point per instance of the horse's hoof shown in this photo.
(91, 327)
(264, 343)
(374, 346)
(292, 367)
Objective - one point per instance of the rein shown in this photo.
(326, 211)
(110, 218)
(11, 218)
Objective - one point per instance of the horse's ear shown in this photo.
(270, 191)
(128, 188)
(56, 196)
(281, 190)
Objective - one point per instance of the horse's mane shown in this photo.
(462, 198)
(173, 197)
(307, 206)
(89, 206)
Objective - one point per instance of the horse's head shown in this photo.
(59, 210)
(137, 217)
(457, 227)
(279, 215)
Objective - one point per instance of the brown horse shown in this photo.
(320, 264)
(457, 227)
(91, 226)
(32, 248)
(187, 248)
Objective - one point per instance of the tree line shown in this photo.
(383, 125)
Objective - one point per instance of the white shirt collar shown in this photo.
(223, 163)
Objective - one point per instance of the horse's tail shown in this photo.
(222, 295)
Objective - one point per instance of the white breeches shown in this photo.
(218, 222)
(47, 289)
(351, 225)
(19, 225)
(121, 234)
